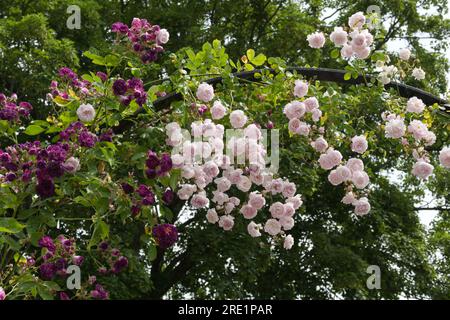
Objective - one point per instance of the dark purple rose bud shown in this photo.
(270, 125)
(165, 235)
(45, 188)
(166, 162)
(151, 173)
(47, 242)
(127, 188)
(152, 160)
(47, 271)
(120, 264)
(102, 76)
(103, 246)
(149, 200)
(61, 264)
(63, 296)
(99, 293)
(11, 176)
(119, 87)
(78, 260)
(143, 191)
(168, 196)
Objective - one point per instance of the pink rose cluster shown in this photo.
(145, 39)
(12, 111)
(414, 135)
(203, 164)
(355, 42)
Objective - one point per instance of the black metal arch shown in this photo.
(322, 74)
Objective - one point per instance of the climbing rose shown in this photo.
(205, 92)
(415, 105)
(357, 20)
(2, 294)
(277, 210)
(226, 222)
(355, 164)
(301, 88)
(422, 169)
(418, 74)
(238, 119)
(330, 159)
(253, 229)
(395, 128)
(316, 40)
(338, 36)
(165, 235)
(320, 144)
(162, 36)
(294, 109)
(334, 178)
(359, 144)
(360, 179)
(349, 198)
(72, 165)
(362, 206)
(288, 242)
(272, 227)
(248, 211)
(86, 113)
(211, 216)
(444, 157)
(218, 110)
(256, 200)
(404, 54)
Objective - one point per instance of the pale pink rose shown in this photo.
(357, 20)
(362, 206)
(235, 176)
(238, 118)
(395, 128)
(187, 172)
(177, 160)
(205, 92)
(256, 200)
(226, 222)
(355, 164)
(86, 113)
(277, 210)
(360, 179)
(418, 74)
(219, 197)
(244, 184)
(316, 40)
(212, 216)
(304, 128)
(359, 144)
(301, 88)
(248, 211)
(294, 125)
(316, 114)
(296, 201)
(272, 227)
(368, 35)
(415, 105)
(330, 159)
(253, 132)
(358, 41)
(289, 189)
(294, 109)
(362, 53)
(199, 200)
(162, 36)
(334, 178)
(422, 169)
(186, 191)
(235, 201)
(211, 169)
(197, 129)
(430, 138)
(288, 242)
(276, 186)
(223, 184)
(404, 54)
(320, 144)
(444, 157)
(349, 198)
(253, 229)
(287, 223)
(344, 172)
(289, 209)
(229, 207)
(346, 51)
(257, 178)
(218, 111)
(311, 103)
(72, 165)
(418, 129)
(339, 36)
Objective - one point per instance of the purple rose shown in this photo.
(119, 87)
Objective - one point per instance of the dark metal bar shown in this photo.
(322, 74)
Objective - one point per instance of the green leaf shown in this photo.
(101, 231)
(250, 54)
(152, 252)
(10, 225)
(347, 76)
(334, 53)
(96, 59)
(258, 60)
(112, 60)
(33, 130)
(249, 67)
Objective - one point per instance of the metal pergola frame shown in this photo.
(322, 74)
